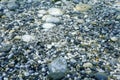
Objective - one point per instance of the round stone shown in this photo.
(27, 38)
(55, 11)
(88, 64)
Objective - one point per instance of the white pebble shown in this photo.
(87, 65)
(48, 25)
(114, 38)
(55, 11)
(45, 17)
(27, 38)
(52, 19)
(40, 13)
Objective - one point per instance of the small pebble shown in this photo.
(55, 11)
(101, 76)
(12, 5)
(88, 64)
(51, 19)
(114, 38)
(27, 38)
(48, 25)
(5, 48)
(82, 7)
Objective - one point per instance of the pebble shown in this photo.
(76, 1)
(45, 17)
(55, 11)
(12, 6)
(51, 19)
(87, 65)
(101, 76)
(57, 68)
(114, 38)
(48, 25)
(1, 39)
(5, 48)
(116, 5)
(82, 7)
(118, 17)
(27, 38)
(40, 13)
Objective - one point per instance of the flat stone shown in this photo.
(27, 38)
(101, 76)
(55, 11)
(52, 19)
(82, 7)
(114, 38)
(48, 25)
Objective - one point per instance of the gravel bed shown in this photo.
(59, 40)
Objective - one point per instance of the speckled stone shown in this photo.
(82, 7)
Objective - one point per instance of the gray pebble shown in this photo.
(5, 48)
(57, 68)
(12, 6)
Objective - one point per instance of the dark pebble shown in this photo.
(101, 76)
(56, 76)
(1, 39)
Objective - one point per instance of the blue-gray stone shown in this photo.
(12, 6)
(57, 68)
(101, 76)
